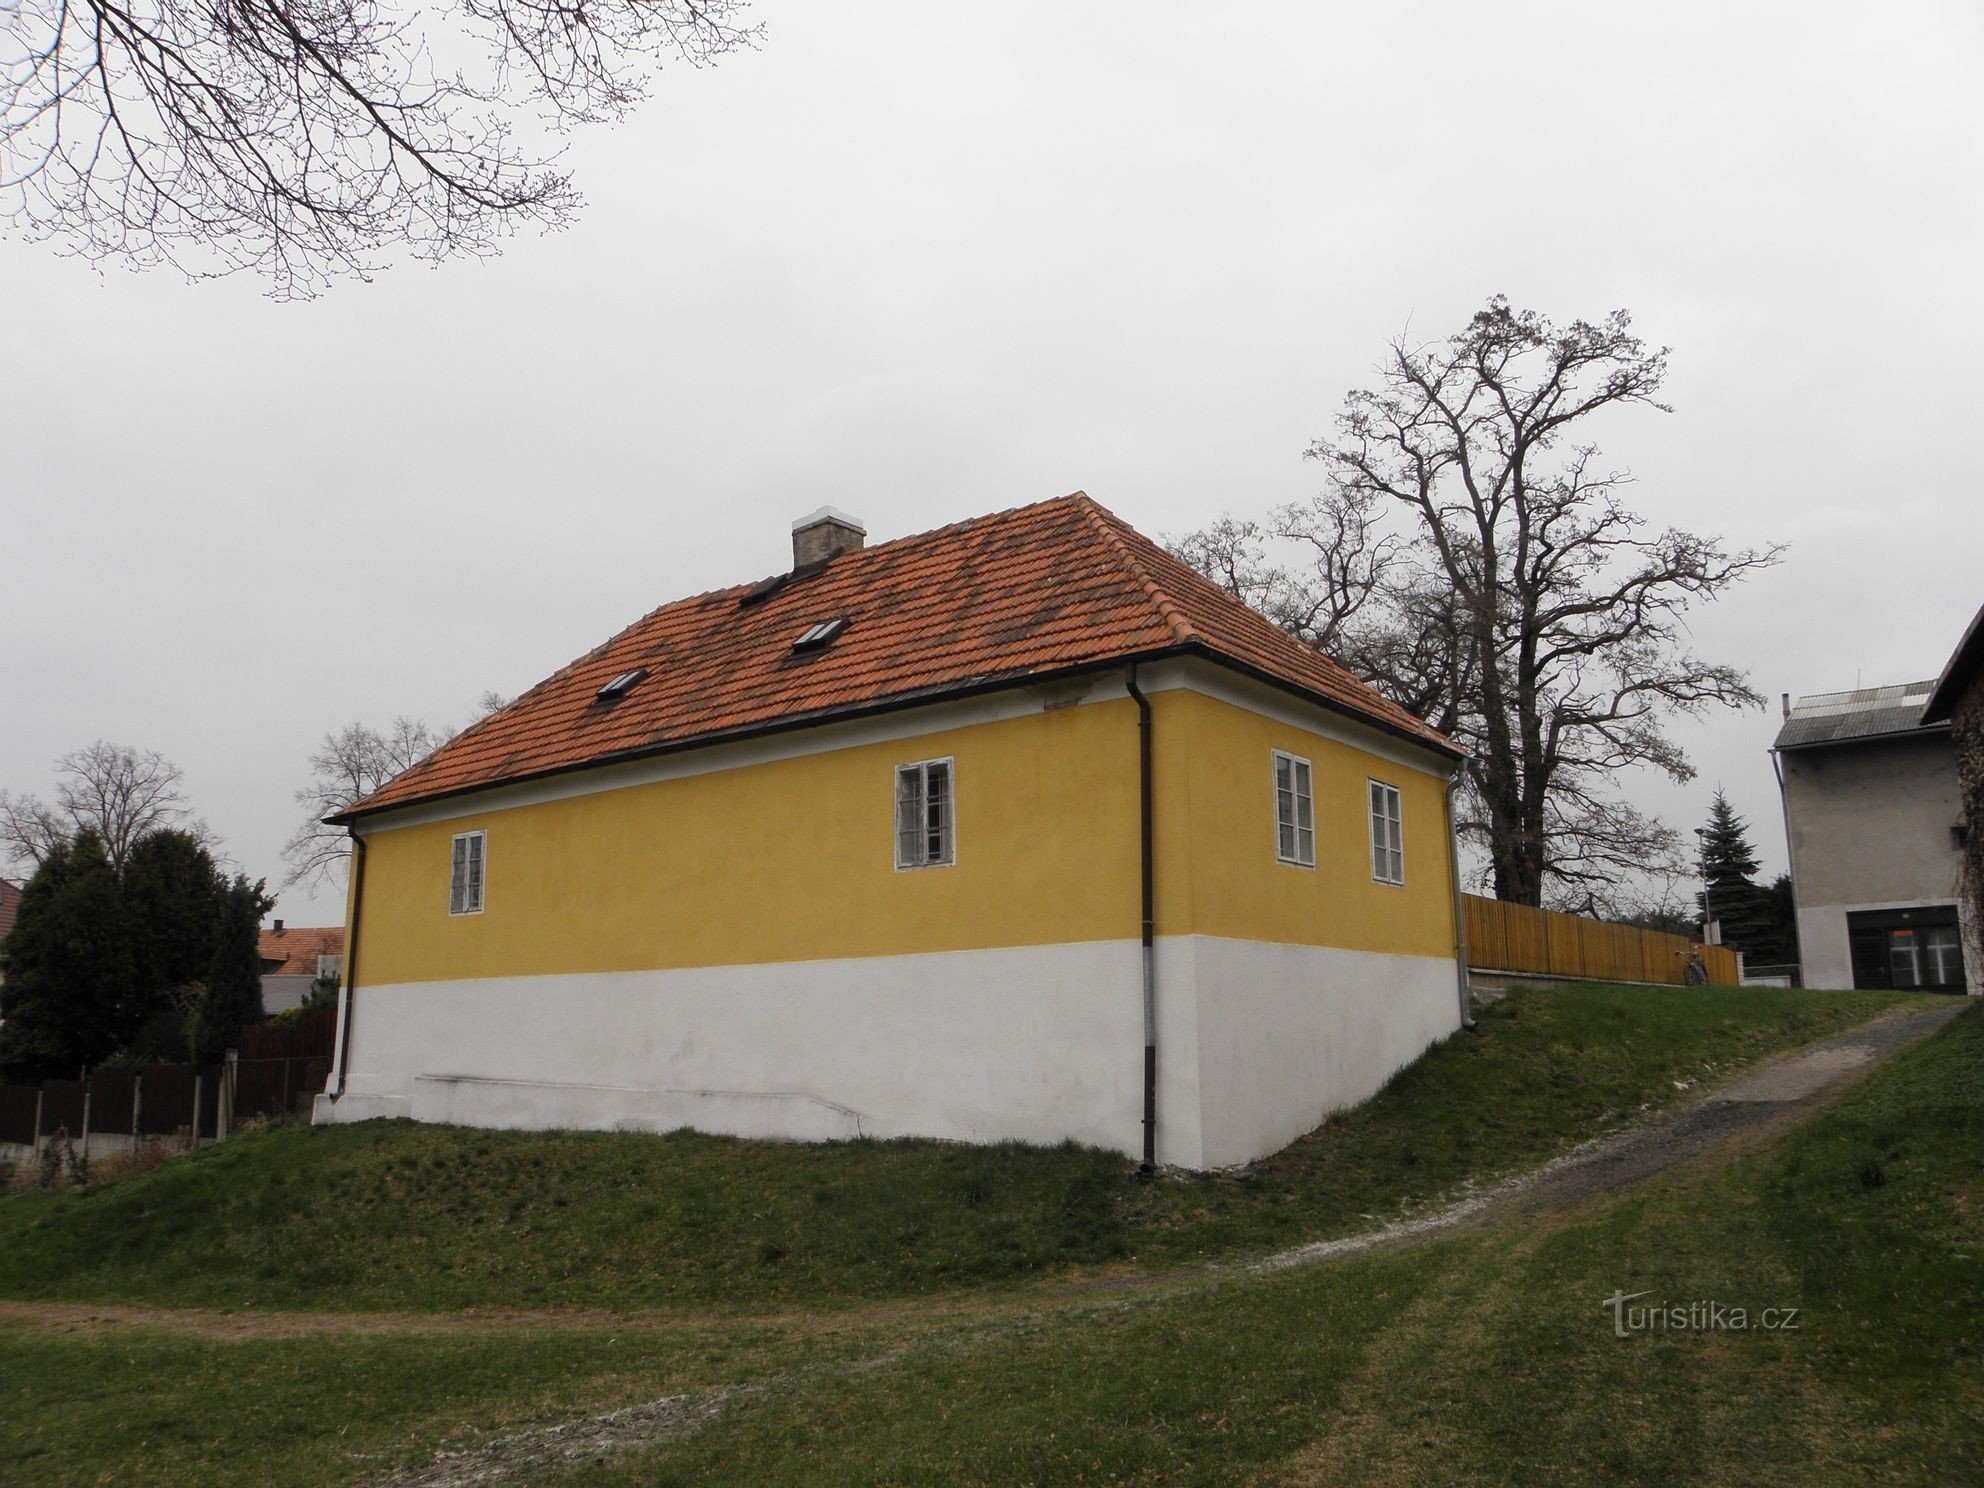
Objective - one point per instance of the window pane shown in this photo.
(937, 787)
(1942, 959)
(1294, 811)
(1901, 958)
(909, 816)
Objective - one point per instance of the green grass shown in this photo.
(394, 1215)
(1486, 1358)
(144, 1405)
(1491, 1359)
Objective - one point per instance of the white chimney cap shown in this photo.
(829, 514)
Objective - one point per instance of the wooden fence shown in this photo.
(161, 1100)
(1514, 937)
(278, 1070)
(309, 1035)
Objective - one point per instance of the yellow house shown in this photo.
(1016, 829)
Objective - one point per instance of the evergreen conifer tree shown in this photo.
(1728, 866)
(69, 969)
(234, 978)
(173, 897)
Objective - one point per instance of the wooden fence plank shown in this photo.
(1504, 936)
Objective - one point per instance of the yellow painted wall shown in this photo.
(1234, 883)
(794, 859)
(788, 860)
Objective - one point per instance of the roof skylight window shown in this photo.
(621, 685)
(820, 634)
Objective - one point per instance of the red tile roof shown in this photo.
(1058, 586)
(294, 949)
(10, 904)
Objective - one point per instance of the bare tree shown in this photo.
(120, 793)
(302, 137)
(350, 765)
(1475, 561)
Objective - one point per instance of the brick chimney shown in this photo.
(819, 535)
(278, 927)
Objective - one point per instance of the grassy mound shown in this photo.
(394, 1215)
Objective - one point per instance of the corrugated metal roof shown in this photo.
(1865, 713)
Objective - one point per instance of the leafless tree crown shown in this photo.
(350, 765)
(303, 138)
(120, 793)
(1471, 557)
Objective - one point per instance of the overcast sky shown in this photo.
(927, 261)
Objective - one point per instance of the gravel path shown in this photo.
(1742, 1114)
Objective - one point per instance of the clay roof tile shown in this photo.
(1057, 586)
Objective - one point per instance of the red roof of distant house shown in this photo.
(293, 950)
(1059, 586)
(10, 904)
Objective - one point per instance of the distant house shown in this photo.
(293, 957)
(1959, 701)
(1871, 811)
(1020, 828)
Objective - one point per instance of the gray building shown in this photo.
(1871, 811)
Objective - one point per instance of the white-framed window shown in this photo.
(926, 835)
(470, 862)
(1387, 834)
(1294, 811)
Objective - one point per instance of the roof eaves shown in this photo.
(1838, 741)
(1964, 664)
(1432, 743)
(1431, 740)
(972, 687)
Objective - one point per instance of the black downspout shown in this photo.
(350, 957)
(1149, 922)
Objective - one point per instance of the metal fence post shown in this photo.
(193, 1131)
(37, 1120)
(137, 1106)
(87, 1083)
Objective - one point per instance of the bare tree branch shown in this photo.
(120, 793)
(350, 765)
(1477, 566)
(302, 138)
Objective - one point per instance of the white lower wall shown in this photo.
(1289, 1033)
(1255, 1044)
(1825, 958)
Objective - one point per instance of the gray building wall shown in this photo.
(281, 993)
(1870, 828)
